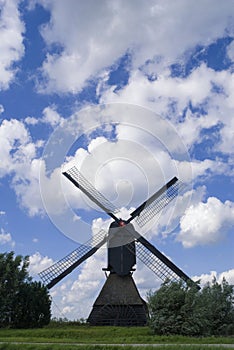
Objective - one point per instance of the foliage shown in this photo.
(23, 303)
(64, 322)
(179, 309)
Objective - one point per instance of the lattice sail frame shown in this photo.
(160, 269)
(155, 207)
(74, 175)
(61, 266)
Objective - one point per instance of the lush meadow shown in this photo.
(106, 347)
(70, 336)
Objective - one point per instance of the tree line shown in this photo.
(174, 308)
(185, 310)
(23, 303)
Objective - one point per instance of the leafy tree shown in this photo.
(165, 306)
(216, 306)
(23, 303)
(178, 309)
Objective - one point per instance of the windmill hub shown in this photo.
(122, 223)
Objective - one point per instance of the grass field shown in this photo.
(107, 347)
(68, 337)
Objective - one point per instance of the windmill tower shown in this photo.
(119, 302)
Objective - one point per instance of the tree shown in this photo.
(172, 309)
(216, 305)
(178, 309)
(23, 303)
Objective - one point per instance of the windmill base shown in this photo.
(119, 304)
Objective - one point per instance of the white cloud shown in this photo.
(208, 277)
(169, 218)
(11, 44)
(1, 109)
(38, 263)
(230, 51)
(205, 223)
(171, 96)
(202, 170)
(226, 133)
(27, 189)
(16, 148)
(140, 149)
(51, 116)
(6, 238)
(19, 158)
(110, 165)
(160, 29)
(122, 169)
(31, 120)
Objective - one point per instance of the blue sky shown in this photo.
(133, 94)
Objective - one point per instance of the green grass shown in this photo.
(103, 347)
(100, 335)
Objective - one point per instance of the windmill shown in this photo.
(119, 302)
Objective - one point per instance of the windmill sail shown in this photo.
(91, 192)
(155, 204)
(156, 265)
(154, 259)
(159, 263)
(53, 274)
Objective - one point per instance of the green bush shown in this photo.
(179, 309)
(23, 303)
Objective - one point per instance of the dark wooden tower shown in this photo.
(119, 302)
